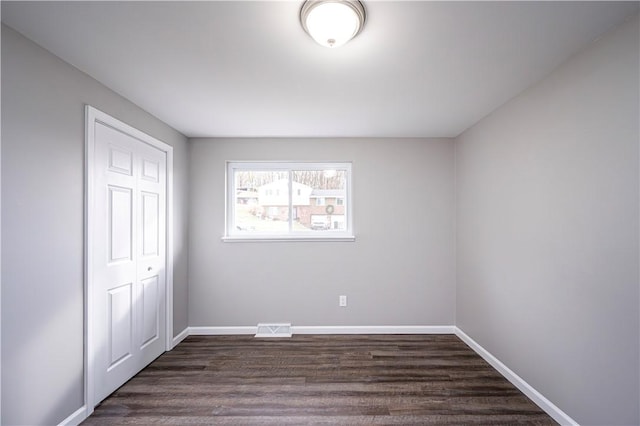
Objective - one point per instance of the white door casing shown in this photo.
(128, 257)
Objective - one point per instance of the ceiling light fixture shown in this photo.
(332, 23)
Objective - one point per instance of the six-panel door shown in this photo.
(129, 257)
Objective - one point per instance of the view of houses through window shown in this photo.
(277, 201)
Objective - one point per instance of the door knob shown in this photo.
(149, 268)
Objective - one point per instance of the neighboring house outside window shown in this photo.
(288, 201)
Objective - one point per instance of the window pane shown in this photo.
(288, 200)
(321, 203)
(262, 201)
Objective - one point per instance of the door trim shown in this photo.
(93, 116)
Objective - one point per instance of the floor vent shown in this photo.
(274, 330)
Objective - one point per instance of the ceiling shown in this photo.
(247, 69)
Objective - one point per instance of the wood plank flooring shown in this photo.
(319, 379)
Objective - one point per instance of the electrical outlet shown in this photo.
(342, 301)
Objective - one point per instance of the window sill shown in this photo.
(287, 238)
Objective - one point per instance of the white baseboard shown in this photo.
(550, 408)
(180, 337)
(375, 329)
(76, 418)
(337, 329)
(222, 331)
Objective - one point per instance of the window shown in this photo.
(288, 201)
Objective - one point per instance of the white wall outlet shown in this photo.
(342, 301)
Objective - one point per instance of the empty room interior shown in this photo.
(231, 178)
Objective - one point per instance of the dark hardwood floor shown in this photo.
(320, 379)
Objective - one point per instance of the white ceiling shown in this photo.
(246, 69)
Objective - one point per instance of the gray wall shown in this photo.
(42, 227)
(400, 270)
(547, 233)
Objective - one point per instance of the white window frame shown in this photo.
(232, 234)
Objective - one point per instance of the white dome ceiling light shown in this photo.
(332, 23)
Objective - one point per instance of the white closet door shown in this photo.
(129, 257)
